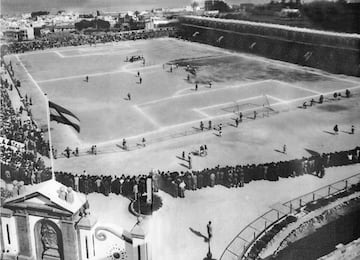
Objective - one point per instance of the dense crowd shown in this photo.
(176, 183)
(15, 128)
(127, 186)
(75, 39)
(20, 141)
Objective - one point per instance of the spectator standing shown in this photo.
(190, 162)
(144, 142)
(76, 182)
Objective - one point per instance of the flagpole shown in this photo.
(50, 141)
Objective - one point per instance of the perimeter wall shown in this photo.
(333, 52)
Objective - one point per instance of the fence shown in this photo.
(240, 245)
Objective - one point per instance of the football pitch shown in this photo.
(166, 99)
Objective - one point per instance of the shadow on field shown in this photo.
(184, 165)
(333, 108)
(330, 133)
(312, 152)
(180, 158)
(277, 150)
(199, 234)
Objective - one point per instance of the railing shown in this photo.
(242, 242)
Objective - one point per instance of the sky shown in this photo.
(23, 6)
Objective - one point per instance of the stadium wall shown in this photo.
(333, 52)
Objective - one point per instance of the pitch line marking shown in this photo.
(181, 90)
(246, 56)
(29, 75)
(277, 99)
(229, 103)
(149, 118)
(80, 76)
(59, 54)
(161, 129)
(221, 88)
(201, 92)
(324, 94)
(157, 131)
(98, 74)
(105, 52)
(199, 111)
(295, 86)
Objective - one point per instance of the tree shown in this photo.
(98, 24)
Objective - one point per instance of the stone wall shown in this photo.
(333, 52)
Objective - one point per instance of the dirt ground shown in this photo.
(166, 109)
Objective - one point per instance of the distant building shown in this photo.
(289, 12)
(63, 28)
(19, 33)
(156, 22)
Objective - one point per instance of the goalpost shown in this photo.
(261, 105)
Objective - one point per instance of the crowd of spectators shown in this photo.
(20, 141)
(176, 183)
(56, 40)
(127, 186)
(15, 128)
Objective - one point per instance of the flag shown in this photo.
(64, 116)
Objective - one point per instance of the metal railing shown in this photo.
(243, 241)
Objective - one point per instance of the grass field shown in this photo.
(166, 102)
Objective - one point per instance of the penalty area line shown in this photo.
(201, 113)
(149, 118)
(59, 54)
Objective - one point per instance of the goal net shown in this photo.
(261, 105)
